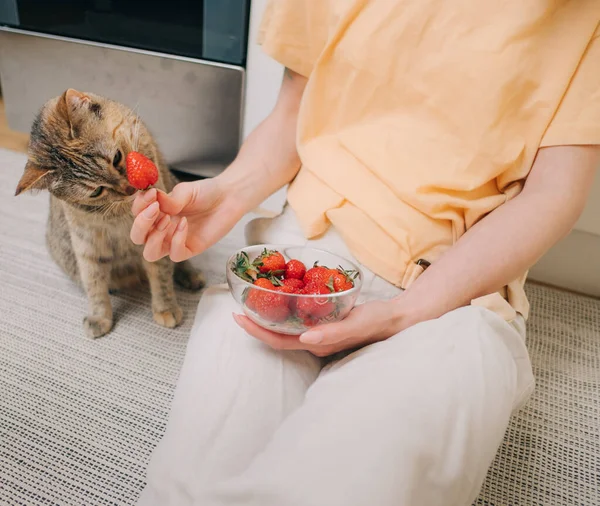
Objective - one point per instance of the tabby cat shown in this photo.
(77, 150)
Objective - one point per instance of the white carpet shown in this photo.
(79, 418)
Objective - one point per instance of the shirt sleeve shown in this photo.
(294, 32)
(577, 120)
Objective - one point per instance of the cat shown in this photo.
(77, 151)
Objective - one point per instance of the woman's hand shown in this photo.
(185, 222)
(366, 324)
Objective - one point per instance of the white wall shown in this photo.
(590, 219)
(263, 75)
(574, 263)
(263, 79)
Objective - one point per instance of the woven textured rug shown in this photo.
(80, 418)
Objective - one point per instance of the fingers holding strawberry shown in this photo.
(143, 200)
(144, 223)
(201, 213)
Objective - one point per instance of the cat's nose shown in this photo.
(130, 190)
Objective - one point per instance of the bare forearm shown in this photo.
(509, 240)
(493, 253)
(268, 159)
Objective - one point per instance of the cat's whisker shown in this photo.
(109, 207)
(137, 133)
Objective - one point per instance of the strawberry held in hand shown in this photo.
(141, 171)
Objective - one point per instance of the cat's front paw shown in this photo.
(170, 318)
(97, 326)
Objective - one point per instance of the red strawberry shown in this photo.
(296, 284)
(286, 289)
(309, 321)
(316, 287)
(341, 282)
(273, 306)
(291, 301)
(264, 283)
(271, 261)
(315, 307)
(141, 171)
(294, 269)
(254, 295)
(318, 275)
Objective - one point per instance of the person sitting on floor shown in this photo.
(446, 146)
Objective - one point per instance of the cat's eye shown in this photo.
(118, 157)
(97, 192)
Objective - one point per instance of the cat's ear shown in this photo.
(75, 99)
(33, 178)
(70, 103)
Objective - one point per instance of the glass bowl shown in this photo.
(291, 313)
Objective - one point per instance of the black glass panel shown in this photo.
(209, 29)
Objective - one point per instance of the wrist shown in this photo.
(405, 312)
(237, 190)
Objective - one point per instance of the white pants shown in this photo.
(413, 420)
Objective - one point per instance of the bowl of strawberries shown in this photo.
(290, 289)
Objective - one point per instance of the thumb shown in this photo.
(173, 203)
(329, 333)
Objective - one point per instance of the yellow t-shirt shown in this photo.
(422, 116)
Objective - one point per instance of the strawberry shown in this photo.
(264, 283)
(315, 307)
(318, 275)
(286, 289)
(294, 269)
(271, 262)
(254, 295)
(271, 306)
(309, 321)
(296, 284)
(141, 171)
(341, 282)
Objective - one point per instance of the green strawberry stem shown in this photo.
(244, 269)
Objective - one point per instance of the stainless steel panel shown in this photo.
(193, 108)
